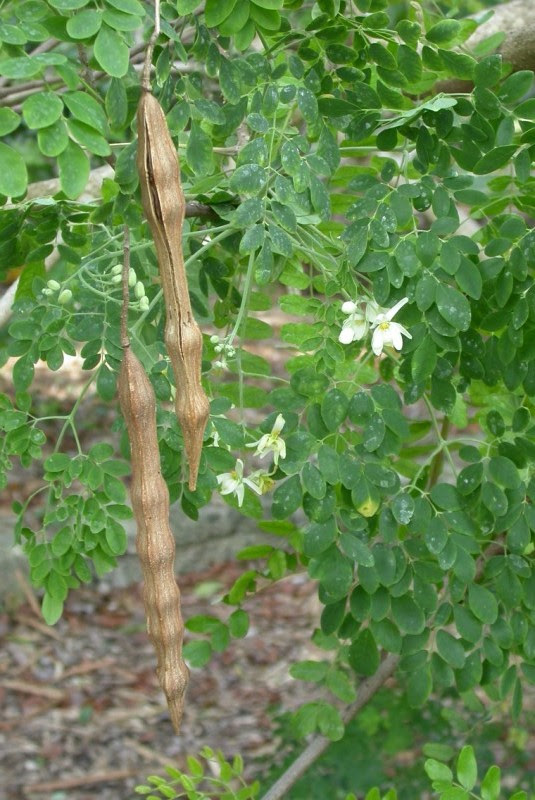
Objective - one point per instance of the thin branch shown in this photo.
(145, 79)
(319, 744)
(125, 340)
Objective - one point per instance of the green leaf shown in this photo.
(265, 18)
(408, 616)
(374, 433)
(453, 307)
(314, 671)
(419, 687)
(424, 360)
(238, 623)
(197, 653)
(111, 52)
(451, 649)
(116, 537)
(9, 121)
(313, 481)
(403, 508)
(186, 6)
(85, 24)
(249, 179)
(53, 140)
(62, 542)
(122, 22)
(215, 11)
(330, 722)
(504, 472)
(444, 31)
(319, 536)
(13, 174)
(494, 159)
(467, 768)
(334, 408)
(85, 108)
(88, 138)
(490, 785)
(68, 5)
(51, 608)
(363, 654)
(482, 604)
(308, 105)
(437, 771)
(58, 462)
(116, 103)
(128, 7)
(20, 68)
(287, 498)
(199, 153)
(73, 167)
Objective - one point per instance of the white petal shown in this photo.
(377, 341)
(372, 311)
(360, 329)
(279, 424)
(239, 468)
(229, 485)
(349, 307)
(346, 334)
(404, 331)
(395, 336)
(252, 485)
(240, 491)
(391, 313)
(379, 319)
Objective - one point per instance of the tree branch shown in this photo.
(319, 744)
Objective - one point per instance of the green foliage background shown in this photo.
(334, 171)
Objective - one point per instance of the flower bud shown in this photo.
(132, 278)
(117, 279)
(54, 286)
(117, 269)
(139, 290)
(65, 297)
(144, 303)
(218, 348)
(214, 339)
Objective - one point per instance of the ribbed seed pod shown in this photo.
(164, 206)
(154, 541)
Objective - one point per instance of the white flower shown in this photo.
(355, 327)
(386, 332)
(234, 482)
(271, 442)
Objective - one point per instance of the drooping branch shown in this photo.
(319, 744)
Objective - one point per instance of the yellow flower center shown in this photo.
(384, 326)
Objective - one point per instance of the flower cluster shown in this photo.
(260, 481)
(235, 482)
(376, 319)
(64, 296)
(224, 348)
(137, 286)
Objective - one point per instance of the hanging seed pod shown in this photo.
(154, 541)
(164, 205)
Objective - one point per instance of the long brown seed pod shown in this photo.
(154, 541)
(164, 205)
